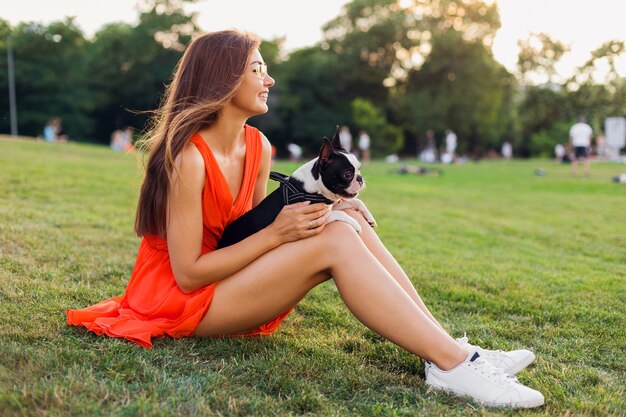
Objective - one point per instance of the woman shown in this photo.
(206, 167)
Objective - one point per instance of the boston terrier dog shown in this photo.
(333, 178)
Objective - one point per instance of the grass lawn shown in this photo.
(511, 258)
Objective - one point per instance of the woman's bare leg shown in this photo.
(279, 280)
(373, 243)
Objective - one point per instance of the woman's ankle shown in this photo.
(453, 359)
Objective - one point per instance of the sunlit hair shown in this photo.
(205, 79)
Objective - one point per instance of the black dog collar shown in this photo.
(292, 194)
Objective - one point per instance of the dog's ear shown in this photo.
(336, 142)
(325, 151)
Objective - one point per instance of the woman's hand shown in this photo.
(299, 221)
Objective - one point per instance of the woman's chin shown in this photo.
(262, 109)
(255, 110)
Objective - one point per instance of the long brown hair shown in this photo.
(205, 79)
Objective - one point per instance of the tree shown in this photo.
(5, 33)
(130, 66)
(386, 138)
(49, 77)
(475, 20)
(309, 105)
(100, 85)
(539, 109)
(609, 52)
(387, 38)
(368, 37)
(540, 54)
(548, 111)
(460, 87)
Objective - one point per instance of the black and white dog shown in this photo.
(333, 178)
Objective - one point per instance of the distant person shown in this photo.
(122, 140)
(559, 152)
(116, 140)
(52, 131)
(128, 138)
(507, 150)
(429, 153)
(449, 155)
(392, 158)
(295, 152)
(49, 131)
(345, 138)
(412, 169)
(364, 146)
(580, 135)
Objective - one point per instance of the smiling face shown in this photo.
(251, 97)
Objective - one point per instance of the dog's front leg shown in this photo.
(343, 217)
(359, 206)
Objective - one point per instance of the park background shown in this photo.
(393, 68)
(513, 258)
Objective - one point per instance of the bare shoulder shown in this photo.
(266, 155)
(189, 166)
(265, 142)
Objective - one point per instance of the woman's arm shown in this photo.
(192, 270)
(260, 189)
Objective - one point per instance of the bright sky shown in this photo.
(584, 26)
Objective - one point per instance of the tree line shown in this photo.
(394, 68)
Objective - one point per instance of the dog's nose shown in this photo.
(359, 179)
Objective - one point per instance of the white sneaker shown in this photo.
(484, 383)
(512, 361)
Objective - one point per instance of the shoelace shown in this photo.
(486, 352)
(496, 374)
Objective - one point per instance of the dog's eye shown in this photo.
(347, 175)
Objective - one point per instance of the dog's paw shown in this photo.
(343, 217)
(367, 216)
(356, 226)
(360, 207)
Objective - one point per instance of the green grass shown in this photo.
(513, 259)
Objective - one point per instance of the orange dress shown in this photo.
(153, 305)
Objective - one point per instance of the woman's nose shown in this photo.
(268, 81)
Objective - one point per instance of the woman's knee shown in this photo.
(337, 237)
(340, 228)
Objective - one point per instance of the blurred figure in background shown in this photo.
(295, 152)
(507, 151)
(449, 156)
(364, 146)
(580, 138)
(345, 138)
(52, 131)
(122, 140)
(559, 152)
(429, 154)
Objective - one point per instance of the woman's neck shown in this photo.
(224, 135)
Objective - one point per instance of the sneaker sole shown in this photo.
(521, 365)
(526, 404)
